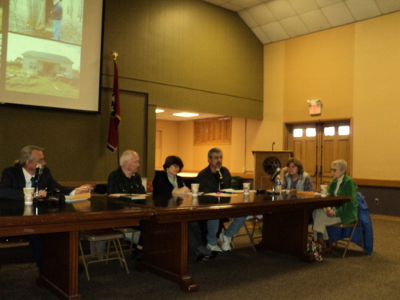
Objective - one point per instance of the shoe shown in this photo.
(202, 259)
(214, 254)
(214, 248)
(226, 242)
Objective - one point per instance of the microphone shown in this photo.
(219, 172)
(38, 171)
(277, 170)
(37, 175)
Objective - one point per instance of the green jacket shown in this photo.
(347, 212)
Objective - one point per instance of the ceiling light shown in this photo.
(185, 115)
(159, 111)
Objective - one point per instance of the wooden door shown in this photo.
(318, 144)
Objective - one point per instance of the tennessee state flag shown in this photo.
(115, 116)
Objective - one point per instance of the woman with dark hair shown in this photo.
(294, 177)
(167, 181)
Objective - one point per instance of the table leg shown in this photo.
(59, 272)
(286, 232)
(165, 252)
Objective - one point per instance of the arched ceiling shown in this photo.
(277, 20)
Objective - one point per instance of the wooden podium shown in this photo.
(265, 164)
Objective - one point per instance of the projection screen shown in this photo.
(50, 53)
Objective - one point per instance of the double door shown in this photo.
(317, 145)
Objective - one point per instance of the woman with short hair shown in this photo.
(341, 185)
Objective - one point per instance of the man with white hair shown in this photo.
(125, 179)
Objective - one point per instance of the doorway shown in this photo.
(318, 144)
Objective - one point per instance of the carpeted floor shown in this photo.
(241, 274)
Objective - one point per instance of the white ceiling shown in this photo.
(167, 115)
(277, 20)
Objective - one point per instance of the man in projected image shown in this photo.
(56, 15)
(212, 179)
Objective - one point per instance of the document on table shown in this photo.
(77, 197)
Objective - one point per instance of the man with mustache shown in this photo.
(212, 179)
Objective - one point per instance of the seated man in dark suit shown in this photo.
(22, 174)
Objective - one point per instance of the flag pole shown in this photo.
(115, 116)
(115, 55)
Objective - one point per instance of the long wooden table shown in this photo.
(60, 226)
(165, 235)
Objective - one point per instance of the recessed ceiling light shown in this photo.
(185, 114)
(159, 111)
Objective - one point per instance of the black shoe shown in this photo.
(202, 259)
(214, 254)
(137, 254)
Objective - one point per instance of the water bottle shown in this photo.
(278, 184)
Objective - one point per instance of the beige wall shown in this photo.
(355, 71)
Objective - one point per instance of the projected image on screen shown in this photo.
(51, 19)
(42, 66)
(37, 62)
(50, 53)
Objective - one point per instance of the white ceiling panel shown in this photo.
(261, 14)
(281, 9)
(323, 3)
(338, 14)
(388, 6)
(303, 6)
(315, 20)
(294, 26)
(275, 31)
(276, 20)
(363, 9)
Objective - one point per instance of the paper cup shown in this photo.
(195, 188)
(324, 189)
(246, 187)
(28, 195)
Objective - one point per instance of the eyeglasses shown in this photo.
(333, 170)
(40, 161)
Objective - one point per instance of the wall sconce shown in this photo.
(314, 107)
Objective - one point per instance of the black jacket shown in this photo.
(161, 184)
(13, 181)
(119, 183)
(210, 182)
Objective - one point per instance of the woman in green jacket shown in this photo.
(341, 185)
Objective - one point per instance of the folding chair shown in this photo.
(353, 225)
(108, 235)
(256, 222)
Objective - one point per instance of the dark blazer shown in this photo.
(13, 181)
(161, 184)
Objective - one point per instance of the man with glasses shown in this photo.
(22, 175)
